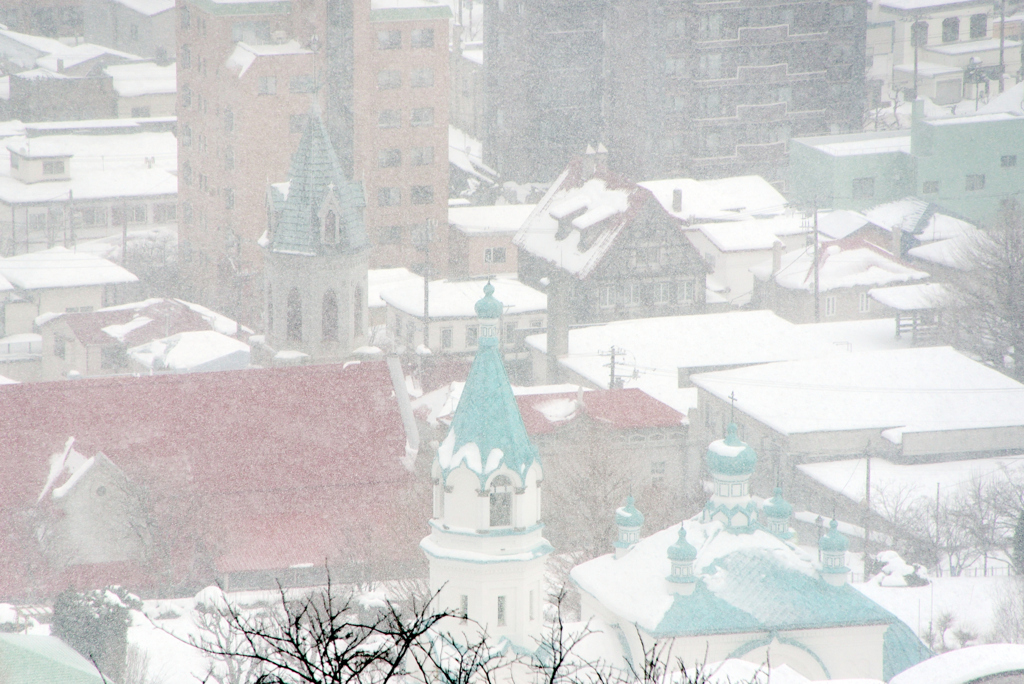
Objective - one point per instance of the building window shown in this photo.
(510, 333)
(501, 502)
(391, 235)
(631, 293)
(864, 303)
(975, 182)
(389, 40)
(229, 120)
(97, 216)
(389, 197)
(1008, 160)
(229, 157)
(297, 123)
(979, 26)
(422, 194)
(133, 213)
(302, 83)
(422, 38)
(950, 30)
(930, 187)
(186, 136)
(389, 158)
(446, 338)
(863, 188)
(662, 293)
(471, 335)
(329, 318)
(537, 323)
(421, 78)
(186, 18)
(330, 229)
(422, 116)
(389, 79)
(389, 118)
(229, 198)
(162, 213)
(919, 34)
(268, 85)
(494, 255)
(59, 347)
(357, 311)
(53, 168)
(140, 112)
(186, 213)
(830, 306)
(606, 296)
(422, 156)
(710, 65)
(186, 97)
(501, 611)
(294, 332)
(185, 57)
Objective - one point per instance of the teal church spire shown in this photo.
(487, 431)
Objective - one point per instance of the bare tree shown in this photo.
(986, 304)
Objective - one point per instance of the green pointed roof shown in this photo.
(731, 456)
(833, 540)
(489, 307)
(315, 173)
(682, 550)
(487, 418)
(777, 506)
(629, 515)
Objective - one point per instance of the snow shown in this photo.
(4, 380)
(840, 266)
(290, 355)
(1011, 101)
(457, 299)
(193, 351)
(915, 390)
(740, 236)
(119, 331)
(927, 69)
(970, 664)
(895, 570)
(434, 549)
(245, 54)
(866, 144)
(143, 78)
(219, 322)
(966, 47)
(75, 476)
(148, 7)
(380, 279)
(914, 297)
(77, 54)
(840, 223)
(910, 482)
(558, 410)
(489, 220)
(952, 253)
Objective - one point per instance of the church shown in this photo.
(730, 582)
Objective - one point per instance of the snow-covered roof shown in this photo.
(456, 299)
(67, 467)
(931, 389)
(976, 119)
(148, 7)
(71, 56)
(721, 199)
(967, 665)
(910, 481)
(841, 223)
(951, 253)
(380, 279)
(60, 267)
(916, 297)
(848, 263)
(196, 351)
(503, 218)
(1011, 101)
(741, 236)
(928, 69)
(101, 167)
(466, 152)
(861, 143)
(245, 54)
(143, 78)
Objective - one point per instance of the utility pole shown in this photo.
(915, 38)
(426, 285)
(1002, 41)
(613, 381)
(817, 291)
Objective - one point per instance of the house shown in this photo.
(964, 164)
(144, 27)
(64, 187)
(481, 239)
(915, 405)
(452, 322)
(604, 248)
(249, 476)
(56, 281)
(730, 249)
(144, 89)
(835, 287)
(139, 337)
(731, 582)
(377, 281)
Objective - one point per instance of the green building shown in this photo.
(966, 165)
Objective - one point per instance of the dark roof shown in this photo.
(316, 172)
(168, 316)
(247, 470)
(622, 409)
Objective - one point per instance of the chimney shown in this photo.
(677, 200)
(776, 257)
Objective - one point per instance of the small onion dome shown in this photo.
(629, 515)
(730, 456)
(489, 307)
(777, 507)
(833, 540)
(682, 550)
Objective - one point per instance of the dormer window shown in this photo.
(330, 229)
(501, 502)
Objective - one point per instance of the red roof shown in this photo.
(249, 470)
(168, 317)
(623, 409)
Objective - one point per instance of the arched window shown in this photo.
(329, 326)
(501, 502)
(330, 229)
(270, 310)
(919, 34)
(950, 30)
(294, 315)
(357, 312)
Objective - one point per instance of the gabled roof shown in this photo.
(315, 175)
(60, 267)
(841, 263)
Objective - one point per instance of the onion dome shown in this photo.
(489, 307)
(833, 541)
(682, 550)
(730, 456)
(778, 507)
(629, 515)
